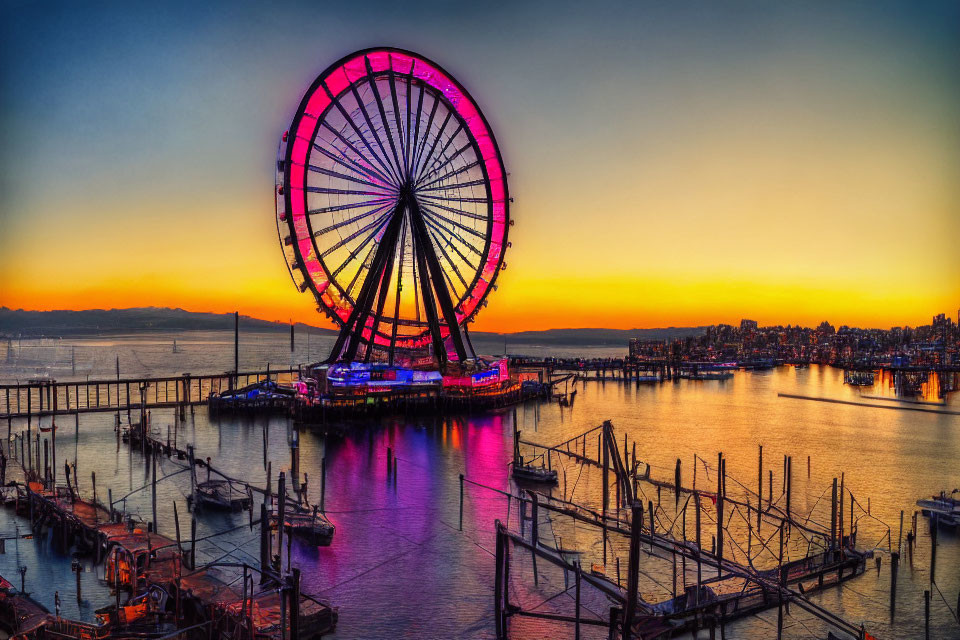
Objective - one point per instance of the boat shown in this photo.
(944, 508)
(523, 472)
(49, 428)
(312, 527)
(222, 495)
(533, 474)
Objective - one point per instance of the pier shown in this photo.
(41, 398)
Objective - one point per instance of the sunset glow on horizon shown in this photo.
(670, 167)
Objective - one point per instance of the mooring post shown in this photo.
(720, 508)
(176, 524)
(770, 489)
(833, 516)
(781, 579)
(110, 500)
(461, 502)
(606, 484)
(789, 481)
(900, 534)
(389, 461)
(295, 605)
(676, 486)
(235, 380)
(840, 527)
(323, 482)
(93, 481)
(926, 614)
(264, 542)
(576, 602)
(934, 525)
(193, 542)
(78, 569)
(498, 584)
(894, 568)
(281, 516)
(696, 500)
(153, 488)
(633, 570)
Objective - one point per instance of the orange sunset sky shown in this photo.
(669, 168)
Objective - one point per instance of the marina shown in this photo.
(409, 485)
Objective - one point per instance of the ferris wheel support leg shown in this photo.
(352, 331)
(439, 285)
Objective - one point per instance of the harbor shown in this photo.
(363, 497)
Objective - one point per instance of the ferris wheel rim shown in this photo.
(464, 108)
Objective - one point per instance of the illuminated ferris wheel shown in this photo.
(392, 206)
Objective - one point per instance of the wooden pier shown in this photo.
(41, 398)
(165, 590)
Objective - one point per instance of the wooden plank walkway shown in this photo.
(52, 397)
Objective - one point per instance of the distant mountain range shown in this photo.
(17, 322)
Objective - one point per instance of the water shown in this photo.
(399, 567)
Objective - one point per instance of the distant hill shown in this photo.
(17, 322)
(14, 322)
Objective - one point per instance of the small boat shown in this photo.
(312, 527)
(530, 473)
(944, 508)
(48, 429)
(523, 472)
(221, 494)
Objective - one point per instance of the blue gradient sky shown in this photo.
(678, 163)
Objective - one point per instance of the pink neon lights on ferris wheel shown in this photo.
(320, 100)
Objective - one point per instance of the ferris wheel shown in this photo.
(392, 206)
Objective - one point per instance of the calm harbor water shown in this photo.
(398, 566)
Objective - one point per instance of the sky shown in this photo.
(672, 164)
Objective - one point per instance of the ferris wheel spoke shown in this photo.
(455, 223)
(396, 116)
(353, 220)
(425, 157)
(396, 307)
(450, 174)
(383, 118)
(356, 129)
(463, 199)
(452, 235)
(344, 192)
(434, 167)
(343, 176)
(371, 85)
(429, 257)
(346, 162)
(407, 154)
(375, 226)
(418, 145)
(345, 207)
(455, 185)
(459, 212)
(433, 158)
(379, 267)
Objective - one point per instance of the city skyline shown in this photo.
(786, 164)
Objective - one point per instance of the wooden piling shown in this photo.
(153, 488)
(461, 502)
(633, 570)
(281, 508)
(720, 507)
(894, 568)
(759, 485)
(833, 516)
